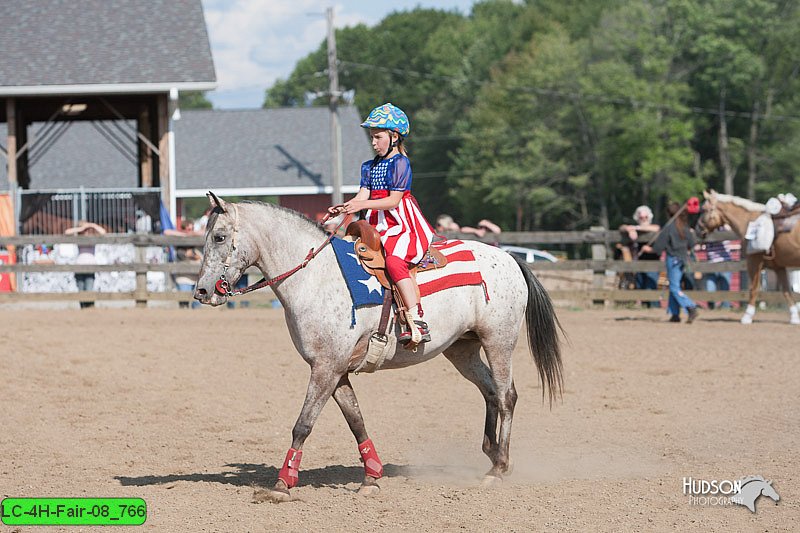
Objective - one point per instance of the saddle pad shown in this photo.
(364, 288)
(461, 269)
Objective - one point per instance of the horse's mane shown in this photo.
(748, 479)
(742, 202)
(291, 212)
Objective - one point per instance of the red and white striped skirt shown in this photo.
(404, 231)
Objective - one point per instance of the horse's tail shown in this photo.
(543, 334)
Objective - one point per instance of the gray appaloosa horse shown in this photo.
(317, 305)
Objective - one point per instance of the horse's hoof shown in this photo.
(490, 481)
(747, 319)
(272, 496)
(369, 490)
(369, 487)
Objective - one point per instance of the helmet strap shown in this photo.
(392, 145)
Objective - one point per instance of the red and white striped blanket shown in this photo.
(461, 269)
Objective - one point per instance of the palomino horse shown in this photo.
(317, 306)
(738, 212)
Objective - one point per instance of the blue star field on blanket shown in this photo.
(365, 289)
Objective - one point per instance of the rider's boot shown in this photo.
(418, 330)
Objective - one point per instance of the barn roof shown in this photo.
(256, 152)
(103, 46)
(280, 148)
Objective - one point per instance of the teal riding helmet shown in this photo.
(388, 117)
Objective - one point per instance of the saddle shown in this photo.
(786, 219)
(371, 255)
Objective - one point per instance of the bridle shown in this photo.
(223, 286)
(707, 211)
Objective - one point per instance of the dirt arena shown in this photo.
(192, 410)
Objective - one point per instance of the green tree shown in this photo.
(193, 100)
(741, 59)
(582, 130)
(570, 113)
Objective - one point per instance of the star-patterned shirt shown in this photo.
(404, 231)
(393, 174)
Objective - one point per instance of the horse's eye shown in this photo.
(219, 238)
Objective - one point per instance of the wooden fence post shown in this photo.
(140, 293)
(599, 253)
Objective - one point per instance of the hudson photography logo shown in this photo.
(744, 491)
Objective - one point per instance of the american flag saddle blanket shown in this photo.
(365, 289)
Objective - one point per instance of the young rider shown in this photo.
(386, 195)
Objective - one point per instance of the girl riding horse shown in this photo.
(386, 195)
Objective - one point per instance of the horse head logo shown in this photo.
(752, 488)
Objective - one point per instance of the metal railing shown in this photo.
(52, 211)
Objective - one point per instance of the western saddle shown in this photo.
(369, 251)
(370, 254)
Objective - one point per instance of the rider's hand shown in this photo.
(353, 206)
(335, 209)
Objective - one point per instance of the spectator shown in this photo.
(644, 227)
(199, 226)
(677, 239)
(86, 256)
(446, 224)
(144, 222)
(187, 282)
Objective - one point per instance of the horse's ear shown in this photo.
(216, 202)
(707, 193)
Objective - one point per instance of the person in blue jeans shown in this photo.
(677, 240)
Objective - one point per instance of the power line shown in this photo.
(571, 94)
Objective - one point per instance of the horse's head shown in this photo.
(768, 491)
(711, 217)
(225, 257)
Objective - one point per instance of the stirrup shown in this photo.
(407, 335)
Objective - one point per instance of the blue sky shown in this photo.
(255, 42)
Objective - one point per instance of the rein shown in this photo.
(223, 286)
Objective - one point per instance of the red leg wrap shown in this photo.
(372, 464)
(290, 473)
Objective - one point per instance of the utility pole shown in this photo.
(336, 129)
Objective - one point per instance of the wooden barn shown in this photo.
(119, 63)
(88, 110)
